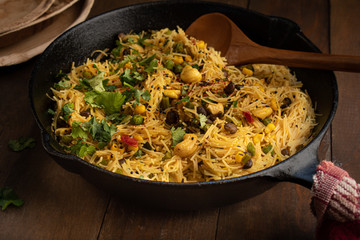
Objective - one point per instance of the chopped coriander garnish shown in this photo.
(177, 135)
(21, 143)
(8, 197)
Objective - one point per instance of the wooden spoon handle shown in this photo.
(305, 59)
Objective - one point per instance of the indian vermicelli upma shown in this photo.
(163, 106)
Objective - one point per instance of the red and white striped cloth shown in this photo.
(336, 203)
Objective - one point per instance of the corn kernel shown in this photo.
(161, 41)
(239, 156)
(140, 109)
(257, 138)
(274, 105)
(128, 65)
(114, 147)
(200, 44)
(138, 138)
(269, 128)
(188, 58)
(247, 72)
(260, 87)
(178, 60)
(132, 148)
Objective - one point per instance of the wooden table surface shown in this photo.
(62, 205)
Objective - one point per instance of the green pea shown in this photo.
(267, 148)
(246, 158)
(179, 47)
(66, 139)
(137, 120)
(167, 155)
(266, 121)
(251, 148)
(169, 64)
(190, 105)
(87, 74)
(177, 68)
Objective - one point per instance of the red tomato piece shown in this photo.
(129, 140)
(248, 117)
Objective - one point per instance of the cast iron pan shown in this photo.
(101, 32)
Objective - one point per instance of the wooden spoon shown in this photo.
(220, 32)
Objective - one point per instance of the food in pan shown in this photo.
(163, 106)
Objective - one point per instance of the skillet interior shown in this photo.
(100, 32)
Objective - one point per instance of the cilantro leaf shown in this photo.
(110, 101)
(77, 131)
(61, 75)
(116, 51)
(146, 95)
(108, 88)
(22, 143)
(151, 67)
(202, 119)
(63, 84)
(81, 149)
(67, 109)
(177, 135)
(184, 90)
(100, 131)
(138, 76)
(184, 99)
(90, 98)
(126, 76)
(97, 82)
(8, 196)
(116, 118)
(51, 112)
(84, 85)
(235, 103)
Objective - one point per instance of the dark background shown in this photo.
(61, 205)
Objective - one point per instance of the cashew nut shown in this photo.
(190, 74)
(216, 108)
(262, 112)
(187, 147)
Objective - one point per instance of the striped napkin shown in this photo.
(335, 203)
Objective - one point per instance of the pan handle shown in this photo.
(302, 167)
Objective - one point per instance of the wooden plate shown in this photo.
(16, 13)
(42, 34)
(56, 8)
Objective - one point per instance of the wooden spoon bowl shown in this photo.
(224, 35)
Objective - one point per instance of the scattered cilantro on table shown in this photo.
(8, 197)
(21, 143)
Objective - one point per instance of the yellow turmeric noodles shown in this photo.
(163, 106)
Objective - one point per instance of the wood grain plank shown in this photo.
(139, 223)
(345, 39)
(286, 206)
(58, 204)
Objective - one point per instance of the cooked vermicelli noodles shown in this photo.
(163, 106)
